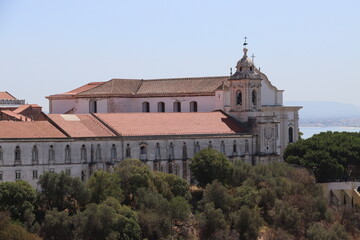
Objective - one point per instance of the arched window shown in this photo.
(113, 153)
(184, 152)
(177, 106)
(222, 147)
(98, 153)
(251, 69)
(93, 106)
(157, 152)
(193, 106)
(128, 151)
(291, 135)
(17, 155)
(235, 149)
(1, 156)
(246, 146)
(146, 107)
(83, 177)
(67, 154)
(238, 98)
(51, 154)
(254, 98)
(143, 151)
(83, 153)
(171, 151)
(210, 145)
(197, 147)
(35, 155)
(161, 107)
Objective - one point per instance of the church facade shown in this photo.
(162, 122)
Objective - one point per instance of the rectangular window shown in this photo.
(68, 171)
(35, 174)
(17, 175)
(1, 176)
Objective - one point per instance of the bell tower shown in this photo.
(245, 88)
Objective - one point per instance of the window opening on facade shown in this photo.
(254, 100)
(193, 106)
(238, 98)
(17, 155)
(157, 152)
(98, 153)
(161, 107)
(83, 153)
(128, 151)
(67, 154)
(1, 156)
(93, 106)
(222, 147)
(17, 175)
(35, 174)
(177, 107)
(197, 147)
(210, 145)
(184, 152)
(146, 107)
(35, 155)
(171, 151)
(291, 135)
(51, 154)
(143, 152)
(235, 149)
(113, 152)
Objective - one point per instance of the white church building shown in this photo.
(163, 122)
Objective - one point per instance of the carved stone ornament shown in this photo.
(268, 132)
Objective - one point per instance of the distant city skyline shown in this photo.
(310, 49)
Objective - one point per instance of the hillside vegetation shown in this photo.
(274, 201)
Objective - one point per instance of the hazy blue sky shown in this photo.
(308, 48)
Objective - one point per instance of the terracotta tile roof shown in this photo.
(116, 86)
(181, 85)
(7, 96)
(26, 106)
(79, 89)
(81, 125)
(15, 115)
(157, 87)
(139, 124)
(33, 129)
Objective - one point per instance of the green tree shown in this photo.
(209, 165)
(57, 226)
(60, 191)
(211, 220)
(17, 197)
(103, 185)
(180, 209)
(219, 195)
(330, 155)
(133, 175)
(12, 231)
(247, 222)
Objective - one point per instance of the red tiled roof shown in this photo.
(157, 87)
(81, 125)
(139, 124)
(15, 115)
(81, 89)
(24, 107)
(33, 129)
(7, 96)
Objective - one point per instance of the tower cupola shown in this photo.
(245, 68)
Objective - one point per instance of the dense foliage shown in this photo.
(330, 155)
(274, 201)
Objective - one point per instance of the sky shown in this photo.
(310, 49)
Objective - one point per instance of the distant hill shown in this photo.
(325, 110)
